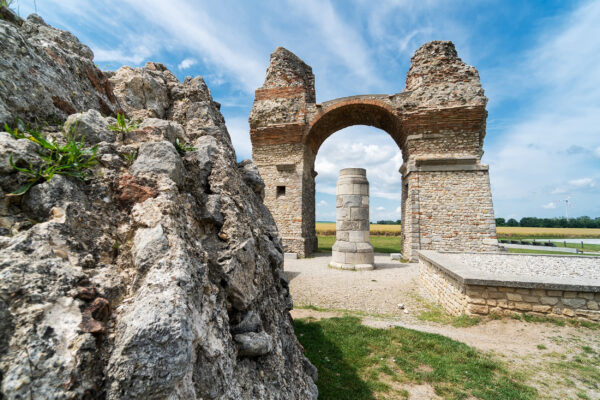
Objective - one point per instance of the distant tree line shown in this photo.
(533, 222)
(389, 222)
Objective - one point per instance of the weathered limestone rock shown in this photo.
(352, 249)
(144, 92)
(52, 68)
(91, 126)
(161, 277)
(438, 122)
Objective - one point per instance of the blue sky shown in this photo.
(539, 64)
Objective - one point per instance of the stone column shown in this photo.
(352, 249)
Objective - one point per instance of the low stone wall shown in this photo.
(461, 289)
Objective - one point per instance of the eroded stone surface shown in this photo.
(160, 277)
(44, 71)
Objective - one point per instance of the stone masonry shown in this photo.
(352, 249)
(438, 122)
(460, 291)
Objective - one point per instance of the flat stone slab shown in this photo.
(290, 256)
(396, 256)
(554, 272)
(352, 267)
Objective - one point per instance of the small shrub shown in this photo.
(123, 125)
(541, 347)
(72, 159)
(183, 147)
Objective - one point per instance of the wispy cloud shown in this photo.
(549, 206)
(583, 182)
(187, 63)
(537, 153)
(339, 37)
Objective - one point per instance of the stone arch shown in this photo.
(341, 113)
(438, 121)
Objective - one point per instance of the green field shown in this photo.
(381, 244)
(393, 244)
(358, 362)
(504, 232)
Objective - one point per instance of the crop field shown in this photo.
(328, 228)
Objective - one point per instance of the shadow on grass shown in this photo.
(359, 362)
(338, 379)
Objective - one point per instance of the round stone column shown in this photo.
(352, 249)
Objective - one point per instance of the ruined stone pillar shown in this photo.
(352, 249)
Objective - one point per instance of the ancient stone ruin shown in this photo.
(352, 249)
(438, 122)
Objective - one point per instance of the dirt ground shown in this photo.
(547, 355)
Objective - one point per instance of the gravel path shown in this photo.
(377, 291)
(523, 265)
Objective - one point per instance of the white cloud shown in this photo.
(533, 157)
(322, 203)
(399, 210)
(380, 208)
(583, 182)
(549, 206)
(121, 57)
(239, 131)
(361, 147)
(186, 63)
(597, 152)
(192, 28)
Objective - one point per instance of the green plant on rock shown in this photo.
(71, 159)
(6, 3)
(183, 147)
(123, 125)
(130, 157)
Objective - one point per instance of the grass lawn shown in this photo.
(381, 244)
(359, 362)
(555, 253)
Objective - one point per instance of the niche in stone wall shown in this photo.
(280, 191)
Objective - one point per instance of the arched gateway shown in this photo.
(438, 122)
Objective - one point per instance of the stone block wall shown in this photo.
(283, 169)
(457, 297)
(455, 210)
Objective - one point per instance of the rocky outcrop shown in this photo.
(158, 278)
(47, 74)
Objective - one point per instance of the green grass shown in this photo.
(585, 367)
(586, 246)
(381, 244)
(435, 313)
(358, 362)
(123, 125)
(531, 251)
